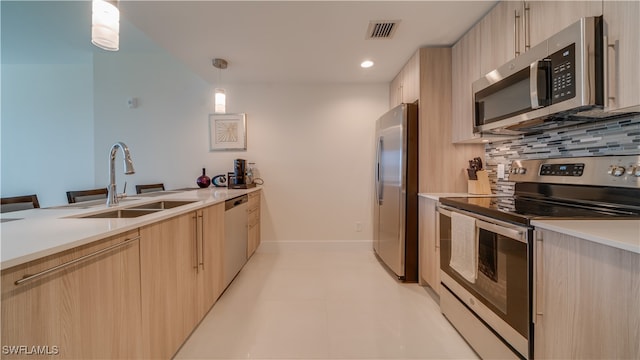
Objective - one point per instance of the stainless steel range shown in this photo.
(486, 243)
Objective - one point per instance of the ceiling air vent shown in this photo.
(382, 29)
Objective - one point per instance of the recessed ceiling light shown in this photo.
(366, 64)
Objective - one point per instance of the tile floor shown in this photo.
(323, 304)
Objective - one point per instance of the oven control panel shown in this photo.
(562, 169)
(618, 171)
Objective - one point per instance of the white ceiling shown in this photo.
(299, 41)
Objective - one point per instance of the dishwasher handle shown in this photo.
(236, 201)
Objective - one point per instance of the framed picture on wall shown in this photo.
(227, 132)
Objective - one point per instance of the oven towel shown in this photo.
(464, 246)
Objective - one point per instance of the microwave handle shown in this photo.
(540, 83)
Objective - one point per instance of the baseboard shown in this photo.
(315, 245)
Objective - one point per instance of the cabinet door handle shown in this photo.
(516, 33)
(538, 273)
(28, 277)
(611, 72)
(201, 217)
(527, 27)
(195, 238)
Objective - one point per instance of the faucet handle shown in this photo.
(124, 192)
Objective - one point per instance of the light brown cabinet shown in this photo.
(543, 19)
(405, 87)
(586, 299)
(509, 29)
(442, 163)
(623, 38)
(89, 308)
(210, 276)
(253, 210)
(395, 91)
(429, 244)
(465, 64)
(168, 263)
(501, 36)
(181, 271)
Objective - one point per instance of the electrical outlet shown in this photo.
(500, 171)
(358, 226)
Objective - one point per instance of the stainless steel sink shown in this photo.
(87, 204)
(137, 211)
(122, 213)
(162, 205)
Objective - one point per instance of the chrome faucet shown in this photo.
(112, 196)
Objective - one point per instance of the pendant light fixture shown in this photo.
(220, 98)
(105, 24)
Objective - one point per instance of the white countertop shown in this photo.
(437, 196)
(621, 234)
(42, 232)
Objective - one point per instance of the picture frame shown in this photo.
(227, 132)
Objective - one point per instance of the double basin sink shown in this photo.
(136, 211)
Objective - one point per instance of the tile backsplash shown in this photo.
(619, 136)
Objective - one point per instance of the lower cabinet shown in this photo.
(211, 277)
(253, 223)
(81, 304)
(137, 295)
(586, 299)
(429, 244)
(168, 264)
(181, 272)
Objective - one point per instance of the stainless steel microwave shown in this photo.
(558, 82)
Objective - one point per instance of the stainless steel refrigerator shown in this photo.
(396, 199)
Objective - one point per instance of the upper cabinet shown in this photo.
(502, 36)
(405, 87)
(623, 50)
(465, 66)
(513, 27)
(542, 19)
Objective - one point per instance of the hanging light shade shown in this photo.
(220, 98)
(220, 101)
(105, 25)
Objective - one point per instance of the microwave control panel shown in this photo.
(563, 74)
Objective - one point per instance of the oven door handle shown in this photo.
(500, 227)
(504, 231)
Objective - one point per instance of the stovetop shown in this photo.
(521, 210)
(571, 188)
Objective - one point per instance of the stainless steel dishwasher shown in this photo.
(235, 236)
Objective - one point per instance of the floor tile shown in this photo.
(323, 303)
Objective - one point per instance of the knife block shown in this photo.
(480, 186)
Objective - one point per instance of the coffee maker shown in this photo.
(238, 178)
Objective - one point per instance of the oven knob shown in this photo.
(617, 171)
(634, 171)
(522, 171)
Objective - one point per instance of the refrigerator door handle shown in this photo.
(379, 170)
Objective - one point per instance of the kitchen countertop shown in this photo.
(437, 196)
(41, 232)
(621, 234)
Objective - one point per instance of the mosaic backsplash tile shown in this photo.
(619, 136)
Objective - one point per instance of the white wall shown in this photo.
(312, 144)
(47, 130)
(314, 148)
(47, 99)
